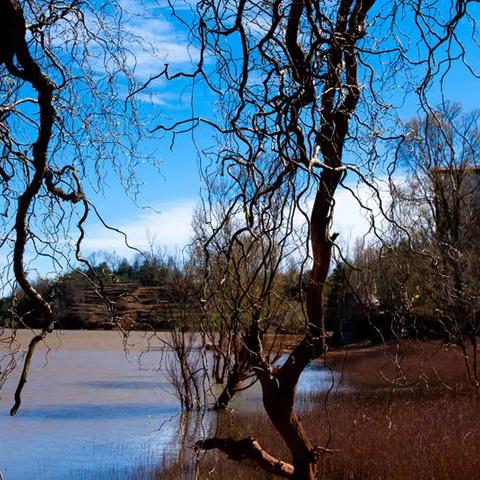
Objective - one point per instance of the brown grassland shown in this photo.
(398, 412)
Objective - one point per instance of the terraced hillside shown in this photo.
(129, 304)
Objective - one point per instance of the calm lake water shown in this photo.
(90, 409)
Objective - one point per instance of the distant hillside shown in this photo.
(143, 296)
(153, 293)
(137, 307)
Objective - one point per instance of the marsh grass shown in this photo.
(408, 413)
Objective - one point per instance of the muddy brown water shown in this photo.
(95, 408)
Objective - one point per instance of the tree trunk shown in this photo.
(239, 372)
(278, 402)
(234, 382)
(279, 386)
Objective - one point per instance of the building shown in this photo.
(456, 193)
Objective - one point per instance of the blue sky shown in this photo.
(169, 187)
(173, 191)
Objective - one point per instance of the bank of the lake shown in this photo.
(408, 412)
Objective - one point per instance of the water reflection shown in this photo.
(79, 411)
(119, 384)
(89, 413)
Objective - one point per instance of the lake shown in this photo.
(92, 408)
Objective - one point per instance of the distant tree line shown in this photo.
(116, 279)
(166, 281)
(421, 280)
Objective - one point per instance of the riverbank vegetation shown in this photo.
(291, 105)
(405, 411)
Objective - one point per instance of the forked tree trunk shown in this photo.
(279, 390)
(234, 382)
(278, 401)
(236, 376)
(279, 386)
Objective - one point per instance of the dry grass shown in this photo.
(412, 419)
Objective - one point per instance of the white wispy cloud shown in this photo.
(357, 211)
(145, 39)
(154, 98)
(169, 227)
(156, 40)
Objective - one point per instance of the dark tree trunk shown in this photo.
(279, 386)
(233, 384)
(236, 376)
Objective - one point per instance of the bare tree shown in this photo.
(185, 361)
(424, 269)
(289, 77)
(63, 118)
(437, 205)
(304, 95)
(244, 285)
